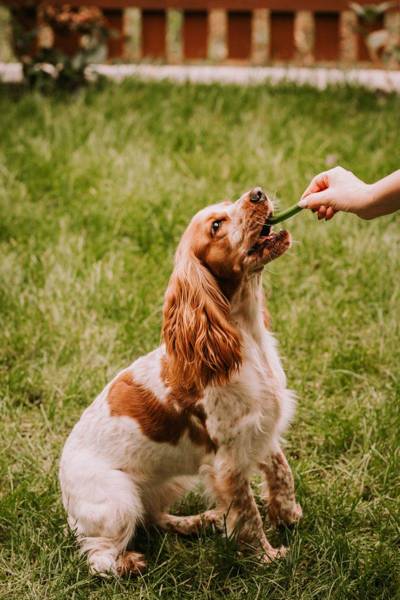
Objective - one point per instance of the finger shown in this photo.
(321, 213)
(316, 200)
(330, 213)
(318, 183)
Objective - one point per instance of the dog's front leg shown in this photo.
(236, 500)
(279, 493)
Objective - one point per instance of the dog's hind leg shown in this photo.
(103, 511)
(158, 503)
(190, 524)
(279, 493)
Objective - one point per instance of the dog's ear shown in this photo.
(203, 347)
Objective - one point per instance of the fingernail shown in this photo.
(303, 203)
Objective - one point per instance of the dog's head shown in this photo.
(224, 244)
(232, 239)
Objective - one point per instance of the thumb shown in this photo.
(317, 199)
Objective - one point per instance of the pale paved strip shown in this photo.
(320, 77)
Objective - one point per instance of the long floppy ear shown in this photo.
(203, 347)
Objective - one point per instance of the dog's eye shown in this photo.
(215, 226)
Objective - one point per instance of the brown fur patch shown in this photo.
(280, 493)
(159, 421)
(190, 524)
(215, 252)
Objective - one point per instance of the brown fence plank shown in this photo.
(115, 22)
(195, 34)
(239, 34)
(282, 45)
(327, 33)
(154, 33)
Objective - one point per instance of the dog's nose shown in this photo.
(257, 195)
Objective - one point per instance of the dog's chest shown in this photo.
(248, 408)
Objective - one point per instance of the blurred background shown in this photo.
(70, 36)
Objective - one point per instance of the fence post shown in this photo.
(217, 34)
(260, 36)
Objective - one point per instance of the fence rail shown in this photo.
(279, 5)
(240, 24)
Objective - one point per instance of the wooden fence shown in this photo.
(240, 19)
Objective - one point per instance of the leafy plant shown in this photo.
(370, 13)
(80, 32)
(383, 46)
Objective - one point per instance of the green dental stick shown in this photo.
(283, 216)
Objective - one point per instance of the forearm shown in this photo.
(385, 195)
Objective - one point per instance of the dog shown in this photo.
(211, 401)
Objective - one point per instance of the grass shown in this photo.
(95, 191)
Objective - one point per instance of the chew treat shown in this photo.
(283, 216)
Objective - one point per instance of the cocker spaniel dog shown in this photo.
(210, 401)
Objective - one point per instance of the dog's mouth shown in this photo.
(268, 245)
(266, 239)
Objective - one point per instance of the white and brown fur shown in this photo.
(211, 401)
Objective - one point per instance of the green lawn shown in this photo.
(95, 191)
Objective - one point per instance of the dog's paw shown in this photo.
(274, 553)
(214, 518)
(293, 516)
(130, 562)
(288, 515)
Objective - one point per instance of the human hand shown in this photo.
(338, 189)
